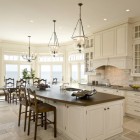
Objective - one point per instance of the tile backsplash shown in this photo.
(114, 76)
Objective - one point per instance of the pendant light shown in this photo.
(78, 35)
(29, 57)
(53, 43)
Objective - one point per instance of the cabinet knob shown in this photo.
(104, 108)
(108, 108)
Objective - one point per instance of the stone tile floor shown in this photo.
(9, 129)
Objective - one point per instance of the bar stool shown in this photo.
(23, 101)
(40, 108)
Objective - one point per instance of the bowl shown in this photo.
(135, 87)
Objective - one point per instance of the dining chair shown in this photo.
(9, 82)
(42, 81)
(19, 84)
(40, 108)
(9, 88)
(35, 81)
(54, 81)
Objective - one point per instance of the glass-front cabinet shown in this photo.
(136, 59)
(89, 53)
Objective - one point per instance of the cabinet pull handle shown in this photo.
(137, 102)
(137, 110)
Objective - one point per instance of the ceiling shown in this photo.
(20, 18)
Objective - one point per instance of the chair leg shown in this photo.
(36, 122)
(41, 119)
(45, 123)
(29, 122)
(55, 131)
(20, 107)
(26, 107)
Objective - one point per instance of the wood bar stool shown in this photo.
(23, 102)
(40, 108)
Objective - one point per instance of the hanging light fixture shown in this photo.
(29, 57)
(53, 43)
(78, 35)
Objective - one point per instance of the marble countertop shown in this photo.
(111, 87)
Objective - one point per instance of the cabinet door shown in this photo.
(113, 119)
(108, 43)
(95, 123)
(75, 125)
(97, 51)
(121, 40)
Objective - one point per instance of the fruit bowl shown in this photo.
(135, 87)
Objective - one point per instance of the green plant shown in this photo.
(28, 74)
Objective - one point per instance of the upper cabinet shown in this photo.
(108, 43)
(111, 46)
(113, 42)
(136, 50)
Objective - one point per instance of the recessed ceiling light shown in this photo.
(31, 21)
(105, 19)
(127, 10)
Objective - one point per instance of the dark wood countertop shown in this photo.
(56, 94)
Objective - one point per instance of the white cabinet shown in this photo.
(113, 119)
(75, 124)
(121, 40)
(108, 43)
(136, 59)
(98, 47)
(95, 122)
(133, 103)
(104, 120)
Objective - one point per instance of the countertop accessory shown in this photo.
(135, 87)
(84, 93)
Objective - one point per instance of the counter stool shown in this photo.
(40, 108)
(23, 101)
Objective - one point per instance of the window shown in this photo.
(76, 57)
(11, 57)
(83, 77)
(74, 73)
(57, 72)
(11, 71)
(50, 58)
(45, 72)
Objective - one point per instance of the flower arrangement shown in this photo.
(28, 74)
(43, 86)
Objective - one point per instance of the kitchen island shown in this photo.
(95, 118)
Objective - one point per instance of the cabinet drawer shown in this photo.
(133, 94)
(133, 110)
(133, 102)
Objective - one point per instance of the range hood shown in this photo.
(119, 62)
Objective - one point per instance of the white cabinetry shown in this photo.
(106, 120)
(113, 119)
(95, 122)
(98, 43)
(136, 59)
(121, 40)
(75, 122)
(133, 103)
(108, 43)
